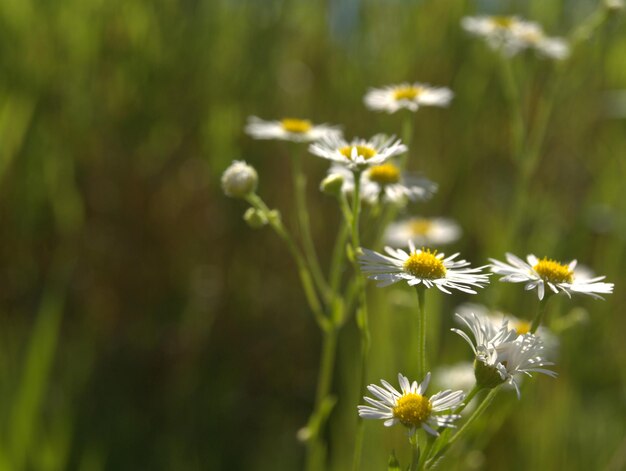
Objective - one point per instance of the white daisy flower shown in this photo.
(422, 266)
(422, 231)
(500, 353)
(289, 129)
(386, 182)
(559, 277)
(512, 35)
(411, 407)
(521, 326)
(410, 96)
(358, 154)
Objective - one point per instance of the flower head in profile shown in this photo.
(422, 231)
(537, 273)
(511, 35)
(289, 129)
(500, 353)
(409, 96)
(358, 154)
(410, 407)
(520, 326)
(387, 183)
(432, 269)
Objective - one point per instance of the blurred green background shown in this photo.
(143, 325)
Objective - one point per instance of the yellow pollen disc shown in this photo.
(364, 151)
(407, 93)
(521, 327)
(298, 126)
(412, 409)
(503, 21)
(384, 174)
(425, 265)
(420, 226)
(553, 271)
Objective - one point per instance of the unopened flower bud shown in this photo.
(255, 218)
(239, 180)
(331, 185)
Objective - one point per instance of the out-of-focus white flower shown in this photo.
(614, 5)
(410, 407)
(386, 182)
(358, 154)
(289, 129)
(559, 277)
(422, 232)
(511, 35)
(409, 96)
(422, 266)
(239, 180)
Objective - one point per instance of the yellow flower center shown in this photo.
(554, 272)
(503, 22)
(420, 226)
(407, 93)
(425, 265)
(364, 151)
(384, 174)
(298, 126)
(412, 409)
(521, 327)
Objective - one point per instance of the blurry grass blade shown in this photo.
(35, 377)
(15, 116)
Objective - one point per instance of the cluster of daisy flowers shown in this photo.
(511, 35)
(368, 170)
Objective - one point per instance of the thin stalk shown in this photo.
(407, 138)
(512, 92)
(444, 432)
(303, 270)
(316, 447)
(421, 333)
(415, 452)
(361, 315)
(339, 250)
(471, 419)
(541, 309)
(302, 216)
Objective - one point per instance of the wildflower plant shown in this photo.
(372, 172)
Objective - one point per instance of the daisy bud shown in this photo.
(255, 218)
(332, 184)
(239, 180)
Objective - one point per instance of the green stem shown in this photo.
(324, 402)
(421, 332)
(303, 270)
(415, 452)
(339, 250)
(407, 138)
(361, 314)
(541, 309)
(471, 419)
(302, 216)
(444, 432)
(512, 92)
(356, 211)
